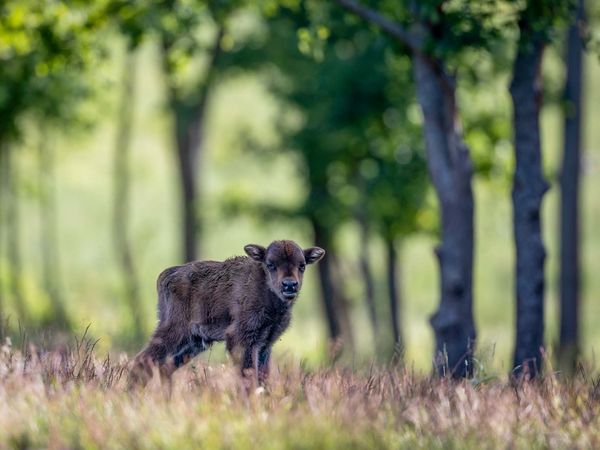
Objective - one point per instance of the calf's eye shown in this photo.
(302, 267)
(271, 267)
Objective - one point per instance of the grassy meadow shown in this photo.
(72, 399)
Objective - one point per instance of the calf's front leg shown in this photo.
(250, 363)
(264, 357)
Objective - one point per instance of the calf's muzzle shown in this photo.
(289, 288)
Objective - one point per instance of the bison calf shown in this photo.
(244, 301)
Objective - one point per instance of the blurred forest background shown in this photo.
(136, 135)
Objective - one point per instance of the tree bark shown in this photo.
(49, 232)
(450, 169)
(569, 204)
(394, 297)
(121, 199)
(325, 279)
(529, 187)
(189, 114)
(188, 149)
(365, 269)
(340, 300)
(14, 239)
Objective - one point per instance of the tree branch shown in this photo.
(411, 40)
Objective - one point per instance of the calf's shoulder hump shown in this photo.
(165, 276)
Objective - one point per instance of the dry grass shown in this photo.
(72, 399)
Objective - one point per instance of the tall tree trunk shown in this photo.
(325, 279)
(49, 232)
(121, 210)
(341, 301)
(450, 169)
(14, 240)
(188, 149)
(394, 296)
(569, 188)
(365, 269)
(189, 114)
(529, 187)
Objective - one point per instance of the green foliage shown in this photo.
(543, 17)
(44, 48)
(361, 150)
(186, 31)
(462, 24)
(590, 30)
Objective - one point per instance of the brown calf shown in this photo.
(245, 301)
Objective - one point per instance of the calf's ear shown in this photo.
(313, 254)
(256, 252)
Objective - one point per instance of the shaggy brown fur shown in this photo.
(245, 301)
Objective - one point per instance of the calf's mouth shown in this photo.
(289, 295)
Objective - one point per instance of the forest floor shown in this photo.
(73, 399)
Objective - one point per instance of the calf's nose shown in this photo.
(290, 285)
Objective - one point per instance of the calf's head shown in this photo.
(284, 262)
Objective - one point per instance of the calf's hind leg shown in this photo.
(168, 350)
(187, 351)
